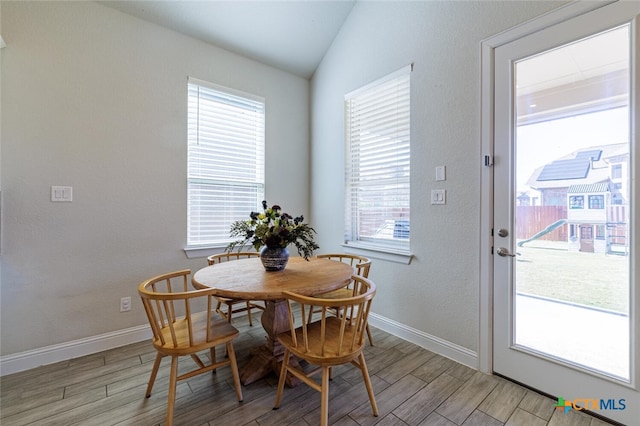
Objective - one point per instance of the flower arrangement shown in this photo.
(273, 228)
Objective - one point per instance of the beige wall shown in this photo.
(96, 100)
(437, 294)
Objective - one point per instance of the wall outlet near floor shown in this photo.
(125, 304)
(61, 194)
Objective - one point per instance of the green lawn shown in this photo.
(546, 268)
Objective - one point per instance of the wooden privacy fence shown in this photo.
(533, 219)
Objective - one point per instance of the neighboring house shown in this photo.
(526, 198)
(592, 184)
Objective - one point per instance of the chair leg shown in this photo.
(324, 397)
(249, 313)
(234, 370)
(219, 310)
(154, 372)
(367, 382)
(229, 312)
(283, 378)
(173, 379)
(212, 355)
(197, 360)
(369, 336)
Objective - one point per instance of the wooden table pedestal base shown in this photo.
(268, 357)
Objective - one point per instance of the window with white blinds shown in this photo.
(225, 160)
(378, 158)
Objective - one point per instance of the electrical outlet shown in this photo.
(62, 194)
(125, 304)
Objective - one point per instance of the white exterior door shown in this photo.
(565, 212)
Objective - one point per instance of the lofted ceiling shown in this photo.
(289, 35)
(294, 35)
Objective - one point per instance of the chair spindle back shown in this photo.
(331, 336)
(170, 306)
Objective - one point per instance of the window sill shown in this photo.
(379, 252)
(197, 252)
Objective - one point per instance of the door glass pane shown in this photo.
(572, 213)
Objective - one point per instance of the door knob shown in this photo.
(504, 252)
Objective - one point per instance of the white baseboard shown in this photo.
(432, 343)
(15, 363)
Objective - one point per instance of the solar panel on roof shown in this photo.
(593, 154)
(574, 168)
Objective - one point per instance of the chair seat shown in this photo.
(229, 301)
(341, 293)
(219, 330)
(315, 354)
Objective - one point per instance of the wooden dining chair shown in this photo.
(327, 342)
(232, 304)
(183, 323)
(361, 266)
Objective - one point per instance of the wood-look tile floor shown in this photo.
(413, 386)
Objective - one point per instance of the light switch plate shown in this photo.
(438, 196)
(440, 173)
(61, 194)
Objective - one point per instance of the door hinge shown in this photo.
(488, 161)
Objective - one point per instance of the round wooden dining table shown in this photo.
(247, 279)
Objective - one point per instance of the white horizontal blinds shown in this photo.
(225, 160)
(378, 161)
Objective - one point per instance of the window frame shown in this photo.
(576, 202)
(373, 94)
(596, 202)
(225, 178)
(616, 171)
